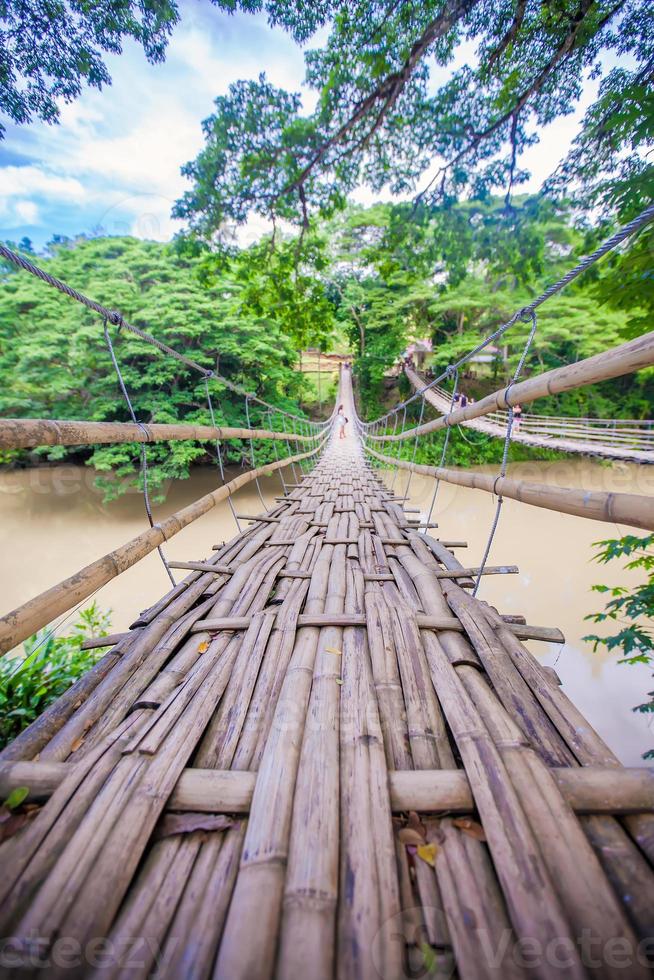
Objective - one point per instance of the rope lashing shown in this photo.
(526, 314)
(219, 454)
(144, 455)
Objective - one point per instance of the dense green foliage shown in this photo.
(452, 274)
(241, 316)
(48, 50)
(395, 108)
(630, 610)
(48, 666)
(375, 278)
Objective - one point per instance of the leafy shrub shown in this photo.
(48, 666)
(632, 609)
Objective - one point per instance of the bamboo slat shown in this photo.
(592, 789)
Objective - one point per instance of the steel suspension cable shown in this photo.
(399, 449)
(117, 320)
(415, 449)
(276, 451)
(585, 263)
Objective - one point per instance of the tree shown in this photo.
(378, 119)
(54, 349)
(50, 49)
(631, 610)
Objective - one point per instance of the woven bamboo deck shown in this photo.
(319, 757)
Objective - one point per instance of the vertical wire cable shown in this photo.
(415, 448)
(220, 456)
(290, 453)
(399, 449)
(252, 459)
(299, 430)
(144, 457)
(276, 451)
(455, 391)
(507, 443)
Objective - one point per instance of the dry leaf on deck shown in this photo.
(410, 836)
(428, 853)
(470, 827)
(415, 823)
(337, 653)
(12, 821)
(186, 823)
(204, 646)
(77, 743)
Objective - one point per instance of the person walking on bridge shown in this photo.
(341, 422)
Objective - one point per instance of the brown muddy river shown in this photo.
(53, 521)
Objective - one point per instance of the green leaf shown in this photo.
(17, 796)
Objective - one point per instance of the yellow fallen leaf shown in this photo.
(428, 853)
(333, 650)
(338, 680)
(204, 646)
(77, 743)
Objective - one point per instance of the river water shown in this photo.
(53, 521)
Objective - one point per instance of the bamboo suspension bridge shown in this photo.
(320, 754)
(628, 439)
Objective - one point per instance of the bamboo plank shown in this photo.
(548, 634)
(602, 790)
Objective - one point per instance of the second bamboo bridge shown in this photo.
(320, 754)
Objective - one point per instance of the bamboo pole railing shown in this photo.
(30, 433)
(614, 363)
(636, 510)
(38, 612)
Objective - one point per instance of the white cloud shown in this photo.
(24, 212)
(114, 161)
(16, 181)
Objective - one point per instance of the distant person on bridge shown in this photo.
(517, 415)
(341, 422)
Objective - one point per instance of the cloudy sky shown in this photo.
(114, 161)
